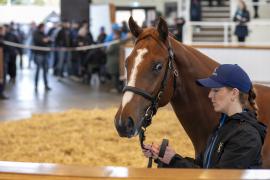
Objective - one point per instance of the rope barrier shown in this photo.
(40, 48)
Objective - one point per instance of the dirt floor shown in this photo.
(85, 137)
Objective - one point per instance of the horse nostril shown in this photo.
(130, 124)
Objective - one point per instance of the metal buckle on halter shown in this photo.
(170, 64)
(147, 114)
(171, 53)
(175, 72)
(159, 95)
(143, 129)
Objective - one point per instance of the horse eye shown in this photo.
(158, 67)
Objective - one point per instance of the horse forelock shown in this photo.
(153, 33)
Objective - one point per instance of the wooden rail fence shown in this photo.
(46, 171)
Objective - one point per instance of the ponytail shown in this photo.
(251, 99)
(248, 100)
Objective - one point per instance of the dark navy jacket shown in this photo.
(238, 144)
(241, 17)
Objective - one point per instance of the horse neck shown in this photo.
(190, 102)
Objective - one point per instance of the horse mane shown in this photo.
(193, 60)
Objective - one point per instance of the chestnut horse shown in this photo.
(150, 65)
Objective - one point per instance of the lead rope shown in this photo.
(141, 139)
(164, 144)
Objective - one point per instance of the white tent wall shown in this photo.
(254, 61)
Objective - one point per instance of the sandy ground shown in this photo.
(85, 137)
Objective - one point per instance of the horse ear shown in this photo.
(162, 28)
(134, 28)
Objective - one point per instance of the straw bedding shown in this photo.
(85, 137)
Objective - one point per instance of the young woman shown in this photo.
(237, 141)
(241, 17)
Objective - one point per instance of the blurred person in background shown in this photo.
(29, 41)
(256, 8)
(63, 40)
(89, 35)
(102, 69)
(10, 53)
(241, 17)
(52, 33)
(75, 61)
(196, 12)
(94, 67)
(102, 35)
(115, 31)
(41, 57)
(84, 39)
(178, 32)
(112, 64)
(124, 27)
(21, 38)
(2, 65)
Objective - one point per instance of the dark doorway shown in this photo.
(75, 10)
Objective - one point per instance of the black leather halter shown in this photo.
(152, 109)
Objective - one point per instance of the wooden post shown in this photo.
(112, 12)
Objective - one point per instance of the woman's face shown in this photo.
(221, 99)
(241, 5)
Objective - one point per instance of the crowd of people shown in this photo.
(9, 33)
(94, 65)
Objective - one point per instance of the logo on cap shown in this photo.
(215, 72)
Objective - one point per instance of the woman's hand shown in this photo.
(153, 151)
(147, 150)
(168, 155)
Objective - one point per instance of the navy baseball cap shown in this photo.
(227, 75)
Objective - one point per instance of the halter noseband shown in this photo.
(152, 109)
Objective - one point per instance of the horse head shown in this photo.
(150, 78)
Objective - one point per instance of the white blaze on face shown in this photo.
(138, 59)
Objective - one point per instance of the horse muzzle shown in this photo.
(125, 127)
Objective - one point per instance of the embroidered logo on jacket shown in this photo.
(220, 145)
